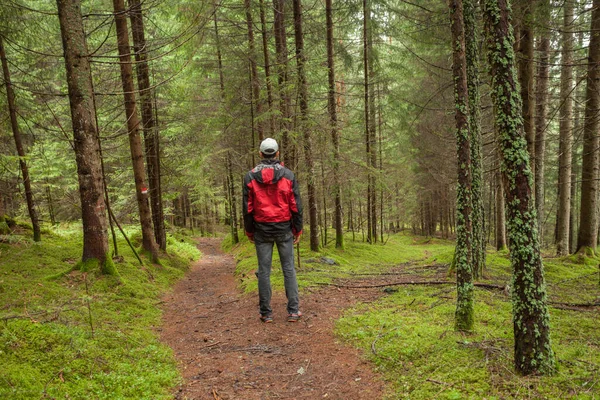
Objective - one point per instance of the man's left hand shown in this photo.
(297, 238)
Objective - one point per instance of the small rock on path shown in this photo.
(225, 352)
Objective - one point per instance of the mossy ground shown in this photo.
(49, 348)
(409, 334)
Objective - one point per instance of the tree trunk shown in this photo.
(464, 252)
(149, 125)
(257, 105)
(12, 110)
(369, 150)
(133, 125)
(85, 134)
(588, 219)
(541, 111)
(473, 82)
(265, 46)
(531, 322)
(303, 98)
(335, 140)
(566, 133)
(372, 127)
(287, 149)
(233, 200)
(500, 235)
(526, 73)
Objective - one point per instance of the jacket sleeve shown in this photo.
(247, 206)
(296, 208)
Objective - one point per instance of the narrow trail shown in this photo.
(225, 352)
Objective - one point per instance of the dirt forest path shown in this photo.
(225, 352)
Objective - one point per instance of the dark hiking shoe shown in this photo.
(294, 317)
(267, 318)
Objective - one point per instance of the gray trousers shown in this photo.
(264, 253)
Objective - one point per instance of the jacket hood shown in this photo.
(268, 172)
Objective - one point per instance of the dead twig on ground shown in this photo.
(476, 284)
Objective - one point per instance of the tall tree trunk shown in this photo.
(149, 125)
(257, 105)
(308, 156)
(335, 140)
(372, 129)
(369, 150)
(531, 321)
(473, 82)
(232, 199)
(588, 219)
(525, 64)
(566, 133)
(464, 230)
(265, 47)
(288, 150)
(12, 110)
(133, 126)
(541, 111)
(500, 235)
(85, 134)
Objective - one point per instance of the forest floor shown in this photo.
(225, 352)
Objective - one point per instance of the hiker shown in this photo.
(273, 215)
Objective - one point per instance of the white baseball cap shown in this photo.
(269, 146)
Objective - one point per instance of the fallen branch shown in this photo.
(557, 304)
(476, 284)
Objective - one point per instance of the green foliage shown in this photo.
(48, 347)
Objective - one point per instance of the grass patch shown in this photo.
(49, 346)
(409, 333)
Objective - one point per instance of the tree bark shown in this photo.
(308, 156)
(525, 64)
(85, 134)
(133, 126)
(473, 82)
(257, 104)
(541, 111)
(531, 322)
(12, 110)
(287, 149)
(265, 47)
(149, 125)
(500, 235)
(588, 219)
(566, 133)
(369, 150)
(335, 140)
(464, 252)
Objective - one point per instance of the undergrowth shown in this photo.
(409, 335)
(80, 335)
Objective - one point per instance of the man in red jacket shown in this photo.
(273, 215)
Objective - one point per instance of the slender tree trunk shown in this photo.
(133, 126)
(149, 125)
(464, 251)
(525, 62)
(265, 47)
(541, 111)
(12, 110)
(500, 235)
(531, 321)
(566, 133)
(288, 150)
(369, 150)
(372, 128)
(85, 134)
(233, 200)
(308, 156)
(335, 140)
(257, 104)
(473, 82)
(588, 220)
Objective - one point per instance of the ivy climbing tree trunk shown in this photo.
(133, 128)
(308, 155)
(566, 133)
(85, 134)
(473, 82)
(588, 219)
(335, 140)
(531, 321)
(149, 125)
(541, 111)
(464, 241)
(12, 111)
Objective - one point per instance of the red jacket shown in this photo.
(271, 200)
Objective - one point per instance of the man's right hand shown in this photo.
(297, 239)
